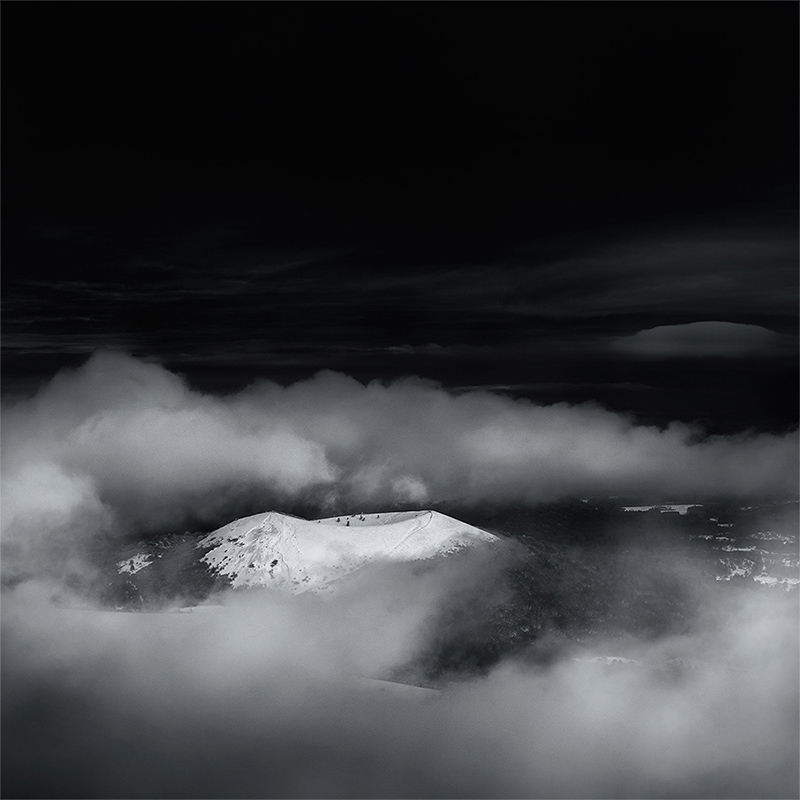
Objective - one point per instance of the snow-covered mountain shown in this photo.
(300, 555)
(545, 572)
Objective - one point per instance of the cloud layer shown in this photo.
(704, 339)
(261, 697)
(124, 445)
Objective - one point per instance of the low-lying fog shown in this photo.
(259, 698)
(257, 694)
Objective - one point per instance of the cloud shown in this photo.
(735, 274)
(124, 446)
(703, 339)
(260, 697)
(324, 302)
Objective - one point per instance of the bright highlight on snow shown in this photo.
(300, 555)
(680, 508)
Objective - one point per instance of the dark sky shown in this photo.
(485, 194)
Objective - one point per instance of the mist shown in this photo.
(263, 695)
(121, 447)
(257, 694)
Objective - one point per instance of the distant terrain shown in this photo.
(558, 575)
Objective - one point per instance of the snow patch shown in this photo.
(610, 660)
(135, 563)
(679, 508)
(731, 549)
(773, 536)
(782, 583)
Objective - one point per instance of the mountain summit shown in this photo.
(300, 555)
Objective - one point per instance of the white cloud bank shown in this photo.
(258, 699)
(124, 444)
